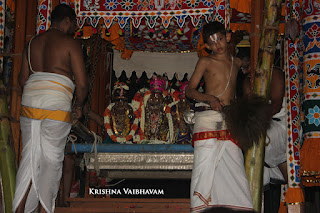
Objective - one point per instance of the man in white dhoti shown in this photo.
(275, 150)
(275, 169)
(49, 62)
(218, 176)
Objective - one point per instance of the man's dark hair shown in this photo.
(62, 11)
(212, 28)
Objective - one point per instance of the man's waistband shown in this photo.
(219, 134)
(200, 108)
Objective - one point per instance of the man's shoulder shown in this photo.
(237, 61)
(277, 69)
(206, 59)
(69, 40)
(278, 77)
(69, 43)
(278, 72)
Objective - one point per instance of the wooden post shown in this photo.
(19, 43)
(31, 19)
(55, 3)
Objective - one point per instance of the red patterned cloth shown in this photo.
(220, 135)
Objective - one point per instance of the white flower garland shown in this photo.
(107, 124)
(137, 103)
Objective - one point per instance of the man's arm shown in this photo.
(246, 87)
(277, 90)
(93, 115)
(80, 76)
(191, 91)
(24, 70)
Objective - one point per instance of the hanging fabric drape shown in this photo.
(43, 17)
(293, 68)
(136, 10)
(154, 62)
(158, 26)
(2, 27)
(310, 154)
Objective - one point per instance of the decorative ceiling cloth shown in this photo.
(159, 39)
(150, 10)
(154, 62)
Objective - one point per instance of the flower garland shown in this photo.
(137, 103)
(175, 95)
(107, 124)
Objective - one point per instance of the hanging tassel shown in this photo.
(294, 195)
(283, 208)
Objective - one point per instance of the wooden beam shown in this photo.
(55, 3)
(19, 43)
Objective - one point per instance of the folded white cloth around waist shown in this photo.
(275, 149)
(209, 120)
(276, 142)
(47, 95)
(210, 124)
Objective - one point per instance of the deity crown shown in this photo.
(120, 89)
(157, 83)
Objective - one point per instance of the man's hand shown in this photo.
(77, 114)
(216, 104)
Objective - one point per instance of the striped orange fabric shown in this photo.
(68, 88)
(41, 114)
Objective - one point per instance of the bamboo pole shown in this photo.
(254, 158)
(7, 155)
(256, 24)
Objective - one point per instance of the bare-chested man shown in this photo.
(218, 176)
(52, 66)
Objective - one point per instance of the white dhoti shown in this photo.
(275, 150)
(45, 124)
(218, 175)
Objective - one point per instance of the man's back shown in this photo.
(52, 52)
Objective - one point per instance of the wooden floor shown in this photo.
(83, 205)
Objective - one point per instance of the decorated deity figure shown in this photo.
(156, 122)
(119, 115)
(182, 133)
